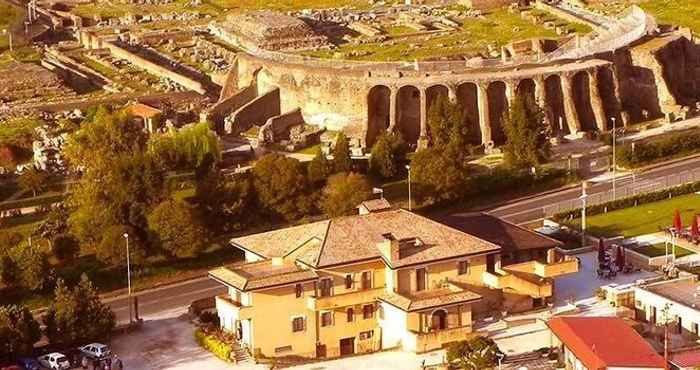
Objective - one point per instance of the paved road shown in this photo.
(182, 294)
(533, 209)
(167, 298)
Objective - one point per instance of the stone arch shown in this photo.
(554, 105)
(408, 113)
(526, 89)
(468, 99)
(432, 93)
(378, 112)
(582, 100)
(498, 107)
(606, 86)
(438, 319)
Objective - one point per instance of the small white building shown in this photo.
(673, 301)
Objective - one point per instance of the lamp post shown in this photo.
(408, 167)
(500, 357)
(583, 197)
(128, 275)
(614, 139)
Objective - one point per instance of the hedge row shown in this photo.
(630, 201)
(647, 152)
(212, 344)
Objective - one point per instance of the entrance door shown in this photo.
(245, 333)
(320, 351)
(491, 262)
(347, 346)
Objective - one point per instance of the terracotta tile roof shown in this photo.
(260, 275)
(428, 299)
(143, 110)
(279, 243)
(500, 232)
(602, 342)
(690, 358)
(355, 238)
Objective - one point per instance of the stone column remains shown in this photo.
(511, 90)
(452, 93)
(596, 100)
(393, 96)
(540, 91)
(484, 118)
(569, 105)
(423, 139)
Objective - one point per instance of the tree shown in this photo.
(319, 168)
(343, 193)
(177, 229)
(9, 272)
(447, 127)
(112, 247)
(33, 266)
(65, 247)
(187, 147)
(55, 223)
(527, 135)
(437, 175)
(226, 204)
(474, 354)
(388, 156)
(341, 154)
(281, 186)
(32, 180)
(77, 315)
(18, 332)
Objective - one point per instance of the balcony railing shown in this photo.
(437, 338)
(343, 300)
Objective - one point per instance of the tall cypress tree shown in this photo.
(527, 136)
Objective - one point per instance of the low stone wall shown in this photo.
(277, 127)
(255, 112)
(154, 68)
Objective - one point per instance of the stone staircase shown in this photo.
(241, 354)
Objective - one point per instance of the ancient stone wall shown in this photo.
(277, 128)
(485, 4)
(254, 113)
(225, 107)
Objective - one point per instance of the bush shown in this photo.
(648, 152)
(630, 201)
(213, 344)
(208, 317)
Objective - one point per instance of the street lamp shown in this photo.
(7, 32)
(500, 357)
(128, 275)
(408, 167)
(614, 156)
(583, 197)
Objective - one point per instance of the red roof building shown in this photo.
(685, 360)
(602, 343)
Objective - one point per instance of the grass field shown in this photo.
(643, 219)
(497, 28)
(657, 250)
(685, 13)
(10, 15)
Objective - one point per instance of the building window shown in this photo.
(298, 290)
(695, 328)
(421, 277)
(367, 311)
(351, 314)
(462, 267)
(298, 324)
(367, 280)
(365, 335)
(326, 318)
(348, 281)
(326, 285)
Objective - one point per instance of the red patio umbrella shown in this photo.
(694, 232)
(620, 257)
(601, 251)
(677, 222)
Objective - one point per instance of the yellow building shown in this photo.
(384, 278)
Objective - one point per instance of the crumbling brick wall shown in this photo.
(255, 112)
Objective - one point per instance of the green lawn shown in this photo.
(643, 219)
(497, 28)
(10, 15)
(659, 249)
(685, 13)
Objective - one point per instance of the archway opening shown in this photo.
(582, 101)
(378, 112)
(438, 320)
(408, 114)
(606, 87)
(498, 106)
(554, 105)
(526, 89)
(467, 97)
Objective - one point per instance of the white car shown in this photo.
(96, 350)
(54, 361)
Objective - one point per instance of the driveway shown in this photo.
(166, 341)
(379, 361)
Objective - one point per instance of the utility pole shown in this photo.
(128, 276)
(583, 197)
(614, 139)
(408, 167)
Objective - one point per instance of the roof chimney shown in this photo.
(389, 247)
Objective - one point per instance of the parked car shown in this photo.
(4, 366)
(55, 361)
(96, 350)
(29, 364)
(75, 356)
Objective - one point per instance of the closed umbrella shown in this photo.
(694, 232)
(677, 222)
(601, 251)
(620, 257)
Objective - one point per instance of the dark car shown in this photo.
(29, 364)
(75, 356)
